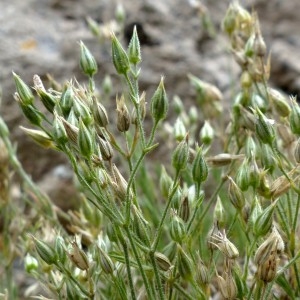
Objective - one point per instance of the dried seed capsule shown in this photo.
(268, 269)
(162, 261)
(39, 136)
(227, 285)
(123, 117)
(184, 210)
(219, 215)
(78, 257)
(106, 263)
(99, 113)
(221, 241)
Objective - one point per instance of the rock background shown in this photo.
(41, 36)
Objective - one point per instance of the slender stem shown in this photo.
(157, 276)
(160, 226)
(138, 260)
(127, 263)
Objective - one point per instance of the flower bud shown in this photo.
(184, 264)
(78, 257)
(107, 85)
(123, 117)
(120, 14)
(87, 61)
(179, 130)
(207, 133)
(30, 263)
(60, 249)
(267, 158)
(242, 178)
(45, 251)
(85, 141)
(162, 261)
(199, 168)
(119, 56)
(48, 100)
(229, 22)
(236, 195)
(264, 128)
(59, 132)
(106, 263)
(159, 103)
(29, 111)
(178, 105)
(82, 111)
(23, 90)
(39, 136)
(250, 147)
(134, 49)
(282, 107)
(119, 184)
(181, 155)
(264, 221)
(66, 100)
(193, 115)
(177, 229)
(295, 117)
(165, 182)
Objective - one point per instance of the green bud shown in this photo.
(119, 56)
(4, 132)
(250, 147)
(179, 130)
(93, 26)
(295, 117)
(85, 141)
(184, 264)
(87, 61)
(134, 49)
(159, 103)
(120, 13)
(177, 229)
(39, 136)
(59, 132)
(178, 105)
(106, 263)
(199, 168)
(23, 90)
(66, 100)
(236, 195)
(264, 221)
(30, 263)
(229, 22)
(264, 128)
(259, 101)
(282, 107)
(165, 182)
(107, 85)
(268, 161)
(249, 47)
(242, 178)
(207, 133)
(181, 155)
(60, 249)
(29, 111)
(82, 111)
(47, 99)
(45, 251)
